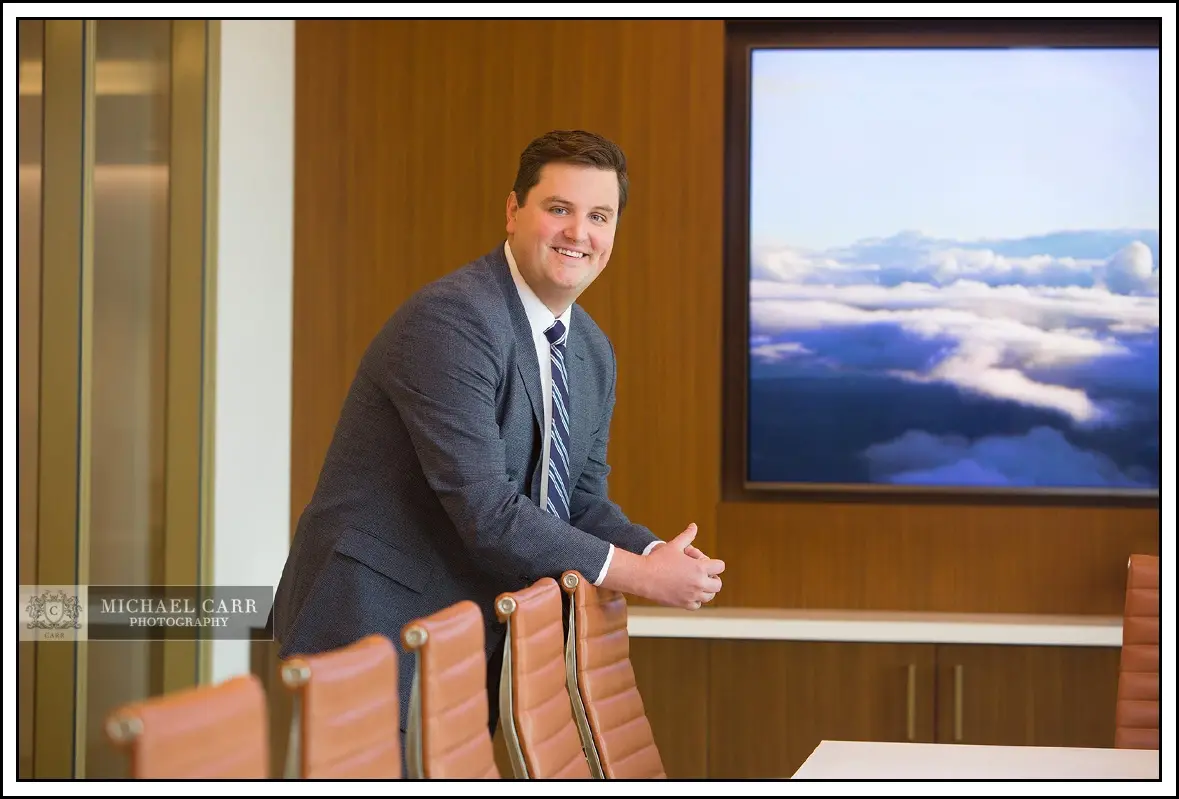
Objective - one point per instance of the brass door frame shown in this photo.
(60, 689)
(212, 160)
(185, 440)
(30, 140)
(63, 263)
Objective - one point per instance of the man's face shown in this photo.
(562, 236)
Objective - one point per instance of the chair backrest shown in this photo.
(447, 735)
(535, 710)
(345, 721)
(1136, 722)
(607, 706)
(205, 732)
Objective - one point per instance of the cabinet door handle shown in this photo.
(912, 702)
(958, 703)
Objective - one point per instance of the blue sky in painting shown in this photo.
(964, 144)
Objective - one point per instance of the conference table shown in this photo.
(871, 760)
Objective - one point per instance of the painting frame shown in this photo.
(743, 37)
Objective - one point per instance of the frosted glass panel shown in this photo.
(129, 329)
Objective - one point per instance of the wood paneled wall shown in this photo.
(406, 144)
(972, 558)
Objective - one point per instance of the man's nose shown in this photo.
(575, 230)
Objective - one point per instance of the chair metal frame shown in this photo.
(570, 581)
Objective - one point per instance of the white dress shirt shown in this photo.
(540, 318)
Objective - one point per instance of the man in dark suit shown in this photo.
(470, 455)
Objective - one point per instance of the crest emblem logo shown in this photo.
(54, 610)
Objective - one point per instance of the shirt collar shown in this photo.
(540, 318)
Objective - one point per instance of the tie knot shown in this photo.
(556, 333)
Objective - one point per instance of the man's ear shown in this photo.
(512, 209)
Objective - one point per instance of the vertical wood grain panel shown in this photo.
(321, 248)
(672, 675)
(931, 558)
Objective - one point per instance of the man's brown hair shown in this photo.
(570, 147)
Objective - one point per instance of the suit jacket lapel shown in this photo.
(582, 412)
(529, 370)
(526, 362)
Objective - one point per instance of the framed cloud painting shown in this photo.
(953, 268)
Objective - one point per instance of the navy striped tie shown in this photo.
(558, 492)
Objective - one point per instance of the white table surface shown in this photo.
(769, 624)
(851, 760)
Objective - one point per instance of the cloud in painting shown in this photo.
(1041, 457)
(1122, 262)
(978, 368)
(779, 352)
(1131, 271)
(1004, 326)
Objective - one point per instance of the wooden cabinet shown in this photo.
(1027, 695)
(738, 709)
(771, 702)
(672, 675)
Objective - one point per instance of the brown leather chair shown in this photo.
(345, 720)
(204, 732)
(447, 735)
(609, 712)
(1136, 722)
(535, 710)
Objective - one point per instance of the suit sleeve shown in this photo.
(441, 375)
(590, 507)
